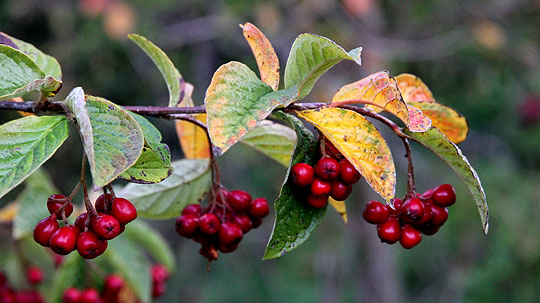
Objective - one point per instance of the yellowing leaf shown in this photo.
(360, 142)
(8, 212)
(378, 88)
(264, 53)
(340, 207)
(452, 124)
(413, 89)
(417, 121)
(192, 138)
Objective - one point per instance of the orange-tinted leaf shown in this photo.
(452, 124)
(360, 142)
(378, 88)
(418, 122)
(413, 89)
(192, 138)
(264, 53)
(340, 207)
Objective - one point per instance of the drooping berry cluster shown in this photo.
(90, 233)
(332, 176)
(222, 224)
(409, 219)
(34, 275)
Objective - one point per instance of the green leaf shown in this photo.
(147, 237)
(452, 155)
(25, 144)
(71, 272)
(310, 57)
(128, 260)
(17, 70)
(189, 183)
(49, 84)
(48, 64)
(237, 101)
(32, 203)
(295, 219)
(164, 64)
(112, 138)
(274, 140)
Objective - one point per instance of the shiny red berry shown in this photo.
(302, 174)
(160, 273)
(209, 224)
(347, 172)
(426, 218)
(439, 215)
(63, 241)
(89, 245)
(396, 210)
(103, 202)
(187, 225)
(230, 233)
(227, 248)
(34, 275)
(102, 247)
(410, 237)
(259, 208)
(106, 227)
(244, 221)
(90, 295)
(192, 209)
(412, 210)
(375, 212)
(444, 195)
(317, 201)
(71, 295)
(239, 200)
(55, 201)
(340, 191)
(389, 232)
(44, 230)
(327, 168)
(80, 222)
(427, 194)
(123, 210)
(320, 187)
(429, 229)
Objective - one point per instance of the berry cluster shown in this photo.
(160, 275)
(411, 218)
(223, 223)
(91, 231)
(34, 275)
(333, 176)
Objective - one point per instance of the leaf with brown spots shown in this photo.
(264, 53)
(340, 207)
(451, 123)
(413, 89)
(360, 142)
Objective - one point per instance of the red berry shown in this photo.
(160, 273)
(239, 200)
(230, 233)
(330, 150)
(429, 229)
(302, 174)
(427, 194)
(259, 208)
(244, 221)
(55, 201)
(123, 210)
(410, 237)
(209, 224)
(102, 247)
(63, 241)
(227, 248)
(375, 212)
(256, 222)
(439, 215)
(327, 168)
(71, 295)
(396, 210)
(34, 275)
(158, 290)
(113, 284)
(89, 245)
(106, 227)
(347, 172)
(103, 202)
(187, 225)
(222, 196)
(80, 222)
(44, 230)
(90, 295)
(317, 201)
(389, 232)
(340, 191)
(320, 187)
(122, 228)
(412, 210)
(192, 209)
(426, 218)
(444, 195)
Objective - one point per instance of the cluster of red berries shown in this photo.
(90, 233)
(111, 289)
(328, 178)
(34, 275)
(409, 219)
(223, 223)
(160, 276)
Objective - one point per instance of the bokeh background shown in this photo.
(480, 57)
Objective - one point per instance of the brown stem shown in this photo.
(411, 187)
(89, 207)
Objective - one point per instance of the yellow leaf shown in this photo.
(452, 124)
(413, 89)
(192, 138)
(8, 212)
(264, 53)
(378, 88)
(340, 207)
(360, 142)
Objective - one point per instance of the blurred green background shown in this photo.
(480, 57)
